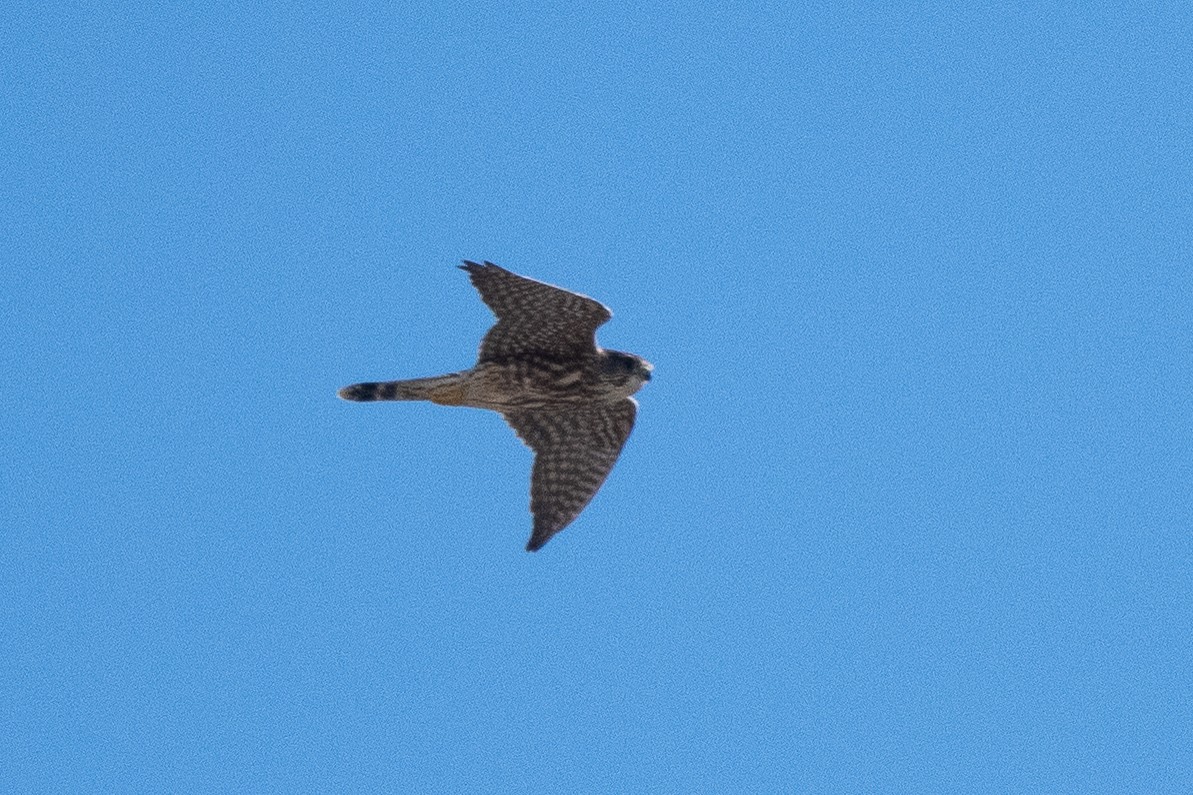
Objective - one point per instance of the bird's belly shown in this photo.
(519, 385)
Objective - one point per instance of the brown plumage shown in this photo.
(540, 367)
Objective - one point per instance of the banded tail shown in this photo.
(447, 390)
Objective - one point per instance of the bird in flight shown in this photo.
(566, 397)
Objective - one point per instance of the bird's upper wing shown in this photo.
(533, 317)
(574, 452)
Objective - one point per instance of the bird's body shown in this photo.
(513, 385)
(539, 366)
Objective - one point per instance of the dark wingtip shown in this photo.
(536, 543)
(477, 267)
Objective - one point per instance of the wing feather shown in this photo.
(534, 317)
(574, 453)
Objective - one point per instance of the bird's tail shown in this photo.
(447, 390)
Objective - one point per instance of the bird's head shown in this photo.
(627, 371)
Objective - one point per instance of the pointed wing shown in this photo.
(533, 317)
(574, 451)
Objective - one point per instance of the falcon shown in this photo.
(540, 367)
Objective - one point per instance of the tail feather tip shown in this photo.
(355, 392)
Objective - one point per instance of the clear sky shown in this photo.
(908, 503)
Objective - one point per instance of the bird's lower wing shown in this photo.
(574, 452)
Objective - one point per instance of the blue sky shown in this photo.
(908, 503)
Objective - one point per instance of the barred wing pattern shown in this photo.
(574, 452)
(533, 317)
